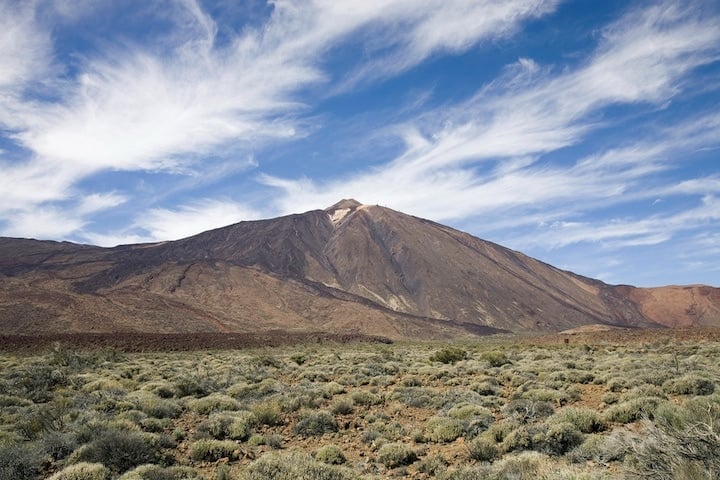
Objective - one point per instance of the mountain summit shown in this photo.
(350, 268)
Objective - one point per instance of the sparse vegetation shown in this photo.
(492, 409)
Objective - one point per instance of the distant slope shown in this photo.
(349, 268)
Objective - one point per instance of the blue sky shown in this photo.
(584, 133)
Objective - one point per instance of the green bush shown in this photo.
(58, 444)
(154, 406)
(599, 449)
(449, 355)
(395, 455)
(495, 359)
(482, 449)
(212, 450)
(443, 429)
(330, 454)
(156, 472)
(82, 471)
(268, 413)
(294, 466)
(683, 443)
(363, 397)
(528, 410)
(316, 423)
(522, 438)
(20, 461)
(234, 426)
(560, 438)
(215, 402)
(633, 410)
(689, 385)
(584, 419)
(342, 407)
(119, 450)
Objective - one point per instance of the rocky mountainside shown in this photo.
(349, 268)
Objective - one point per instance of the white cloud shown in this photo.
(170, 106)
(43, 222)
(24, 49)
(96, 202)
(626, 232)
(165, 224)
(645, 57)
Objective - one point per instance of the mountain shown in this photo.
(349, 268)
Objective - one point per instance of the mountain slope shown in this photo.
(351, 267)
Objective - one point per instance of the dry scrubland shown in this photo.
(497, 408)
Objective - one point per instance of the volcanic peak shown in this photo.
(342, 209)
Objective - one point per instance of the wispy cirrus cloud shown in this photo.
(162, 224)
(484, 156)
(188, 99)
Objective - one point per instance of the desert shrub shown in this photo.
(580, 376)
(20, 461)
(191, 386)
(432, 465)
(482, 449)
(156, 472)
(316, 423)
(617, 384)
(599, 449)
(82, 471)
(395, 455)
(495, 358)
(13, 401)
(682, 443)
(413, 397)
(108, 385)
(342, 407)
(330, 454)
(58, 444)
(632, 410)
(465, 411)
(369, 436)
(527, 410)
(268, 413)
(644, 391)
(235, 425)
(213, 403)
(155, 425)
(475, 419)
(161, 389)
(274, 441)
(585, 419)
(526, 466)
(485, 388)
(299, 358)
(562, 437)
(467, 473)
(154, 406)
(498, 431)
(523, 438)
(293, 466)
(363, 397)
(546, 395)
(333, 388)
(449, 355)
(411, 381)
(443, 429)
(689, 385)
(119, 450)
(212, 450)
